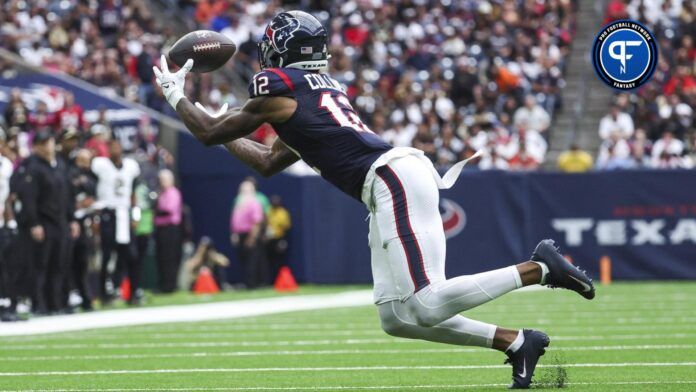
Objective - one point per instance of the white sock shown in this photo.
(544, 271)
(517, 343)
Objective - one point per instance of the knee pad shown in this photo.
(425, 318)
(390, 322)
(422, 315)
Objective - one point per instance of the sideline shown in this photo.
(185, 313)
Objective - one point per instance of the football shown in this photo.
(209, 50)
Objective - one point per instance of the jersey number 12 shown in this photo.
(342, 112)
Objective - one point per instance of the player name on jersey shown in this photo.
(320, 81)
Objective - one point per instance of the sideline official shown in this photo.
(45, 222)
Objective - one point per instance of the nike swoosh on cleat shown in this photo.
(583, 284)
(524, 369)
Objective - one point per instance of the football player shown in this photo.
(399, 186)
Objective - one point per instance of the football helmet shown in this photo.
(294, 39)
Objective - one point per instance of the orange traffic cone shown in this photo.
(205, 284)
(285, 281)
(125, 289)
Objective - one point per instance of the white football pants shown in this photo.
(407, 242)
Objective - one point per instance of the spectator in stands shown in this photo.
(145, 73)
(617, 122)
(614, 152)
(522, 161)
(16, 112)
(168, 233)
(42, 119)
(575, 160)
(245, 226)
(616, 10)
(279, 223)
(492, 161)
(98, 141)
(425, 141)
(71, 115)
(532, 115)
(668, 152)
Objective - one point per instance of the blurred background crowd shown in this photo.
(656, 127)
(449, 77)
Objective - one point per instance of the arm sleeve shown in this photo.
(272, 82)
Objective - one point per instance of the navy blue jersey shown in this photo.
(324, 130)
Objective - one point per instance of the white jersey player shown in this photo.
(115, 177)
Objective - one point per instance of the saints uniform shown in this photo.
(114, 191)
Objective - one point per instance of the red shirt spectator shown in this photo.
(616, 10)
(683, 81)
(522, 161)
(41, 118)
(70, 115)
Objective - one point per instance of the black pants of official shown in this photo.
(168, 239)
(126, 261)
(11, 267)
(47, 274)
(276, 249)
(253, 262)
(80, 250)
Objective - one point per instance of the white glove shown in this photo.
(172, 84)
(217, 114)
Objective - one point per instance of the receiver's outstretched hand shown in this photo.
(172, 84)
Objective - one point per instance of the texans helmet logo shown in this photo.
(453, 217)
(281, 30)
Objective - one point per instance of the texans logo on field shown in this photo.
(453, 217)
(281, 30)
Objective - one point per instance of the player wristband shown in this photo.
(175, 97)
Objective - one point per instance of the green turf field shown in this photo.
(631, 337)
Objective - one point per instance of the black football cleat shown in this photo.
(525, 359)
(561, 272)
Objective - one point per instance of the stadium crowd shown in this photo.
(446, 77)
(656, 126)
(449, 78)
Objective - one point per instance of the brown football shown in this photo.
(209, 50)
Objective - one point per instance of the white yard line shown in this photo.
(328, 369)
(287, 327)
(186, 313)
(196, 355)
(346, 387)
(309, 342)
(193, 332)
